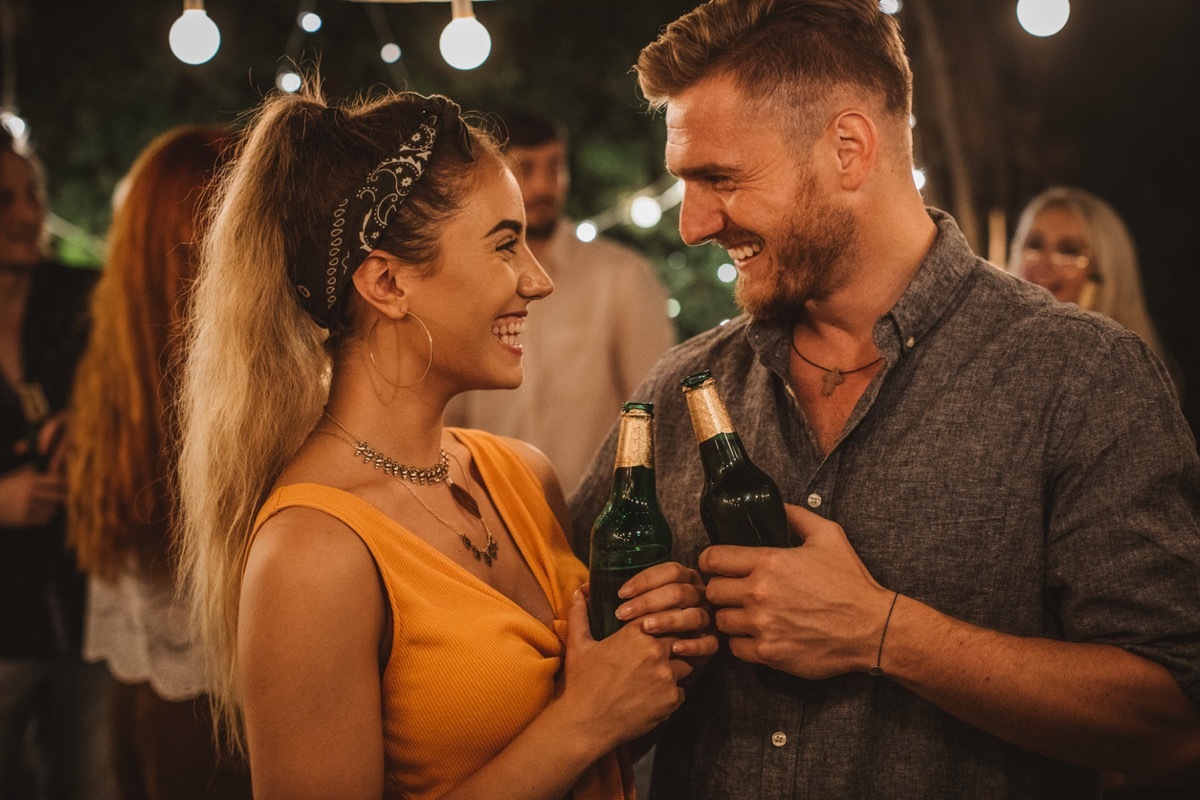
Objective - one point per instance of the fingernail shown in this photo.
(677, 648)
(622, 612)
(650, 624)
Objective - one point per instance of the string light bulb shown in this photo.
(194, 38)
(465, 43)
(1043, 17)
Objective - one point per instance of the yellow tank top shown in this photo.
(469, 668)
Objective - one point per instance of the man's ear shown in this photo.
(380, 281)
(857, 143)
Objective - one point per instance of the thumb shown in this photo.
(805, 524)
(579, 633)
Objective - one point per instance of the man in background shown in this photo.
(591, 342)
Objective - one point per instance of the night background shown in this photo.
(1109, 104)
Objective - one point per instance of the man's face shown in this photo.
(541, 173)
(22, 214)
(745, 189)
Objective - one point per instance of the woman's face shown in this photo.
(476, 303)
(22, 214)
(1057, 255)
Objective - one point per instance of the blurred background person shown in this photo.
(1076, 246)
(119, 505)
(596, 336)
(51, 702)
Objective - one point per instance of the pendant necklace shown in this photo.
(439, 473)
(833, 376)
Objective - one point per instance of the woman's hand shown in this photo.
(622, 687)
(669, 599)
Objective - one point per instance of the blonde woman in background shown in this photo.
(391, 606)
(1076, 246)
(119, 503)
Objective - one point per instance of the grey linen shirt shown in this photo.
(1019, 464)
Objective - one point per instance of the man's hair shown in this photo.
(530, 129)
(791, 54)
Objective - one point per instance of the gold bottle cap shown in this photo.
(708, 413)
(635, 440)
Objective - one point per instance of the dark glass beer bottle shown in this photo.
(740, 503)
(631, 533)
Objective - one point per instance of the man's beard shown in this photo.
(543, 223)
(805, 264)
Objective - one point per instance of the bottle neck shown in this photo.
(634, 484)
(633, 471)
(721, 452)
(707, 411)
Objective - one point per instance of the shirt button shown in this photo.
(909, 342)
(814, 500)
(779, 738)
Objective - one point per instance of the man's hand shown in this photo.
(813, 611)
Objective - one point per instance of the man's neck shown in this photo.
(885, 262)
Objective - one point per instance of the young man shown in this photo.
(998, 497)
(590, 343)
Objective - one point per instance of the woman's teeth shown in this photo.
(509, 332)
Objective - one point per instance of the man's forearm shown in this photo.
(1088, 704)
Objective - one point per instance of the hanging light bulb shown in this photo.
(1043, 17)
(194, 37)
(465, 43)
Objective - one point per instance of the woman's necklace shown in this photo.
(436, 474)
(833, 376)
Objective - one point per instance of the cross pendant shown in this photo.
(832, 379)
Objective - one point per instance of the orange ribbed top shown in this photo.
(469, 668)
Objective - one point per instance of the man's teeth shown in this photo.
(745, 251)
(509, 332)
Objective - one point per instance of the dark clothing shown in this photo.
(1018, 463)
(164, 750)
(41, 591)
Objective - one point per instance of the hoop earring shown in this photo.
(428, 366)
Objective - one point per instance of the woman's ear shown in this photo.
(380, 281)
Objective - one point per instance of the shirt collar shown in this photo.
(933, 290)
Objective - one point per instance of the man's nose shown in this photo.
(700, 217)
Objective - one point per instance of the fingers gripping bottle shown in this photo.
(631, 532)
(740, 504)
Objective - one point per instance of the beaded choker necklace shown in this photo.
(436, 474)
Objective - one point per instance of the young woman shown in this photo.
(391, 605)
(119, 501)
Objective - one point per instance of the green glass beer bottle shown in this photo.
(740, 503)
(630, 533)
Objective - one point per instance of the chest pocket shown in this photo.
(945, 543)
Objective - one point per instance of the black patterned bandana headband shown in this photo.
(360, 219)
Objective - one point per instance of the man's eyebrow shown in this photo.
(513, 225)
(699, 171)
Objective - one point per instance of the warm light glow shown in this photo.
(465, 43)
(919, 179)
(645, 212)
(673, 308)
(1043, 17)
(390, 53)
(194, 37)
(727, 273)
(310, 22)
(288, 81)
(889, 6)
(586, 231)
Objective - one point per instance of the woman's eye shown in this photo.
(508, 245)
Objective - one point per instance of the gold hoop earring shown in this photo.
(428, 366)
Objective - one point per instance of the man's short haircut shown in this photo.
(790, 53)
(526, 128)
